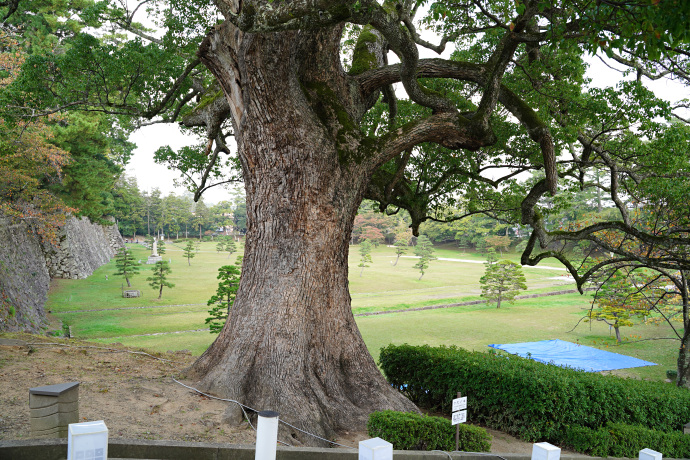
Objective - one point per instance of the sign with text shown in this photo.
(459, 417)
(459, 404)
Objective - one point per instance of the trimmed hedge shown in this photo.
(618, 440)
(531, 400)
(409, 431)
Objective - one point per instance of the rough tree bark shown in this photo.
(291, 343)
(683, 352)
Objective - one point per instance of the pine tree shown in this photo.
(424, 251)
(188, 252)
(400, 249)
(502, 280)
(160, 247)
(365, 252)
(222, 301)
(159, 278)
(126, 264)
(231, 247)
(491, 257)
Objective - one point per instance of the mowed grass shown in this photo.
(194, 284)
(384, 286)
(381, 287)
(527, 320)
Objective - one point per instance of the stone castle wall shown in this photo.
(24, 278)
(83, 248)
(27, 265)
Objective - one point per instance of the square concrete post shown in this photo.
(686, 428)
(53, 408)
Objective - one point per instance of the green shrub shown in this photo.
(531, 400)
(619, 440)
(409, 431)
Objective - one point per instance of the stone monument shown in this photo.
(154, 257)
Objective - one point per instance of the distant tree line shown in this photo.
(176, 216)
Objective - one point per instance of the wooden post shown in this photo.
(457, 431)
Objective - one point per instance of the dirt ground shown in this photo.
(133, 393)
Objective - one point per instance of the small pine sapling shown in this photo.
(231, 247)
(365, 253)
(424, 251)
(502, 280)
(188, 252)
(221, 302)
(125, 264)
(400, 249)
(159, 278)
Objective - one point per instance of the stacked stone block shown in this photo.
(27, 264)
(53, 408)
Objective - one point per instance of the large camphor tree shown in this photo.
(307, 90)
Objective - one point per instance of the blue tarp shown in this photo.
(567, 354)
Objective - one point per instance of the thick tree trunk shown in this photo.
(683, 352)
(291, 343)
(684, 360)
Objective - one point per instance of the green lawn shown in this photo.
(382, 286)
(194, 284)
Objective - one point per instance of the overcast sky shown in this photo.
(151, 175)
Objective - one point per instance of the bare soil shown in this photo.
(133, 393)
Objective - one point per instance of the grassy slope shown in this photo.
(381, 287)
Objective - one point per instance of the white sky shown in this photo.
(148, 139)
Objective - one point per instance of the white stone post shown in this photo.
(545, 451)
(649, 454)
(375, 449)
(266, 435)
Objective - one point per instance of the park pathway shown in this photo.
(468, 261)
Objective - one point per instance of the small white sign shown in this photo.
(87, 440)
(459, 417)
(375, 449)
(649, 454)
(545, 451)
(459, 404)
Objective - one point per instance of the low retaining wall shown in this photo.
(56, 449)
